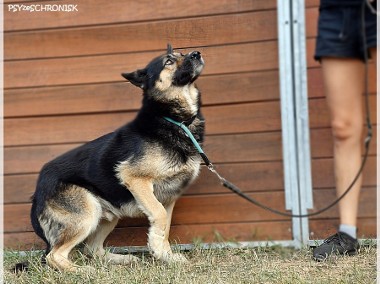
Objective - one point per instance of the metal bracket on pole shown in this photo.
(294, 114)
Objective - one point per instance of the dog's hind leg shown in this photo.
(68, 219)
(94, 244)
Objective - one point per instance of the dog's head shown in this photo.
(169, 79)
(172, 69)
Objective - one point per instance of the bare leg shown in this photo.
(344, 84)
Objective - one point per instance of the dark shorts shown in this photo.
(340, 32)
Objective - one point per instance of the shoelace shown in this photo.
(336, 237)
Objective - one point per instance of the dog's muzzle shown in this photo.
(197, 62)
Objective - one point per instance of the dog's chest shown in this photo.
(173, 181)
(166, 170)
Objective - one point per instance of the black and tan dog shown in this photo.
(139, 169)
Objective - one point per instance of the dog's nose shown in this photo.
(195, 55)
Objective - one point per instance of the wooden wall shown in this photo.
(63, 88)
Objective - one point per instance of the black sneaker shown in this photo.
(340, 243)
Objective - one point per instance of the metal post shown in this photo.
(294, 114)
(302, 114)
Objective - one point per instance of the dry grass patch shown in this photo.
(255, 265)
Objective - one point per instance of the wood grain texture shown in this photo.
(322, 228)
(110, 97)
(107, 68)
(250, 177)
(187, 209)
(245, 57)
(226, 119)
(136, 236)
(252, 147)
(322, 143)
(63, 88)
(102, 12)
(315, 85)
(123, 96)
(182, 234)
(140, 37)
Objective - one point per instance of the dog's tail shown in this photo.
(24, 266)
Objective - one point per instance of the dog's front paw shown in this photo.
(170, 257)
(158, 245)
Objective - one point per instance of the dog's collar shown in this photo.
(194, 141)
(189, 121)
(190, 135)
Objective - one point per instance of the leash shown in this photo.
(229, 185)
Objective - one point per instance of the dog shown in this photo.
(140, 169)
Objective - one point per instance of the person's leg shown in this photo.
(343, 80)
(344, 84)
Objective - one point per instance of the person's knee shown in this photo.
(346, 130)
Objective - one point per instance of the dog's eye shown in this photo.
(169, 62)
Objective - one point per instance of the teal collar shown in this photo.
(188, 132)
(192, 138)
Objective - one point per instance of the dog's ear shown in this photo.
(137, 78)
(170, 49)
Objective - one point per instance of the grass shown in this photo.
(232, 266)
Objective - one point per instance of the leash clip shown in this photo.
(211, 167)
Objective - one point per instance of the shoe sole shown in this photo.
(320, 258)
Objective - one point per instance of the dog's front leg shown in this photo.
(142, 191)
(169, 211)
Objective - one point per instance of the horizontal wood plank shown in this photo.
(323, 173)
(188, 210)
(235, 58)
(250, 176)
(109, 97)
(144, 36)
(148, 36)
(315, 83)
(242, 118)
(320, 229)
(220, 148)
(260, 176)
(319, 115)
(207, 209)
(219, 89)
(226, 119)
(107, 68)
(322, 143)
(120, 11)
(324, 197)
(187, 234)
(183, 234)
(246, 147)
